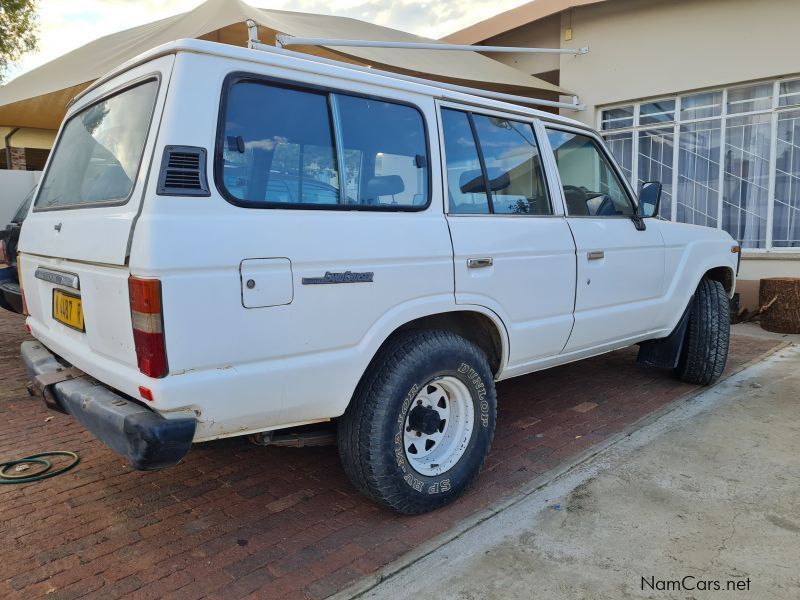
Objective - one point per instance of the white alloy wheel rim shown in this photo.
(438, 426)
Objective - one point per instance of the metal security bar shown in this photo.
(255, 44)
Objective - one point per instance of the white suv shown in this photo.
(229, 241)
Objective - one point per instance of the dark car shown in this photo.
(10, 293)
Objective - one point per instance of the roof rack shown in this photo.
(283, 40)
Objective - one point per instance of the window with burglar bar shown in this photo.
(728, 158)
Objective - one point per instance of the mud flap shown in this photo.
(665, 353)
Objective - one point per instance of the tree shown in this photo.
(19, 23)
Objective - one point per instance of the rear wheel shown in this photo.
(421, 422)
(705, 348)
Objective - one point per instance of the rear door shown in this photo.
(513, 249)
(74, 244)
(92, 187)
(620, 268)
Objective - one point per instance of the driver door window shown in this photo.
(591, 186)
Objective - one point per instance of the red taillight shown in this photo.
(3, 255)
(148, 326)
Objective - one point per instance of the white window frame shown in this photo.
(774, 111)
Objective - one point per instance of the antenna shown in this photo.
(281, 40)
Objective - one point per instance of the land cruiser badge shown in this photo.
(346, 277)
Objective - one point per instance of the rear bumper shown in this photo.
(10, 293)
(146, 439)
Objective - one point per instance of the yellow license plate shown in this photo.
(67, 309)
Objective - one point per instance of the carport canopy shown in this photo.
(39, 98)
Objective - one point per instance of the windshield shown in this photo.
(99, 151)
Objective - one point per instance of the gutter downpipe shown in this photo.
(8, 146)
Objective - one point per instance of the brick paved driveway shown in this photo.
(234, 520)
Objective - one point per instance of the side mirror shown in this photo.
(649, 199)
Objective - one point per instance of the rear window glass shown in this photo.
(98, 154)
(22, 211)
(284, 147)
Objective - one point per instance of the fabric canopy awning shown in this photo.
(39, 98)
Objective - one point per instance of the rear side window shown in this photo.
(279, 146)
(513, 165)
(288, 147)
(493, 166)
(99, 152)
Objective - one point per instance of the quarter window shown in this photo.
(298, 148)
(506, 156)
(591, 186)
(465, 186)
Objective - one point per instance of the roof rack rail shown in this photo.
(282, 40)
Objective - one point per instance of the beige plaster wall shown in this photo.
(649, 48)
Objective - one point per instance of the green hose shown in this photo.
(38, 459)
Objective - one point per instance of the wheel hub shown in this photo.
(424, 420)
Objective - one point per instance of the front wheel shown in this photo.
(705, 347)
(421, 422)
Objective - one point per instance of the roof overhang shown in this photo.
(512, 19)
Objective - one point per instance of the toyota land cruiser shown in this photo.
(227, 241)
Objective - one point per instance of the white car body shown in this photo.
(284, 353)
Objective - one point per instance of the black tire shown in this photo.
(370, 433)
(705, 347)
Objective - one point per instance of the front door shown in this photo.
(513, 252)
(620, 268)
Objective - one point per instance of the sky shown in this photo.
(68, 24)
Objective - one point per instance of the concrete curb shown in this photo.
(368, 582)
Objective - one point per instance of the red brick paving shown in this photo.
(236, 521)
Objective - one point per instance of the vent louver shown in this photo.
(183, 172)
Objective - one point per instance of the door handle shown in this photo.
(595, 255)
(479, 263)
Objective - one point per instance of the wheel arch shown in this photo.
(724, 275)
(478, 325)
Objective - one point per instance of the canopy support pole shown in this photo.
(254, 44)
(289, 40)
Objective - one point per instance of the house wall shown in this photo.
(545, 33)
(26, 137)
(648, 48)
(26, 147)
(14, 186)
